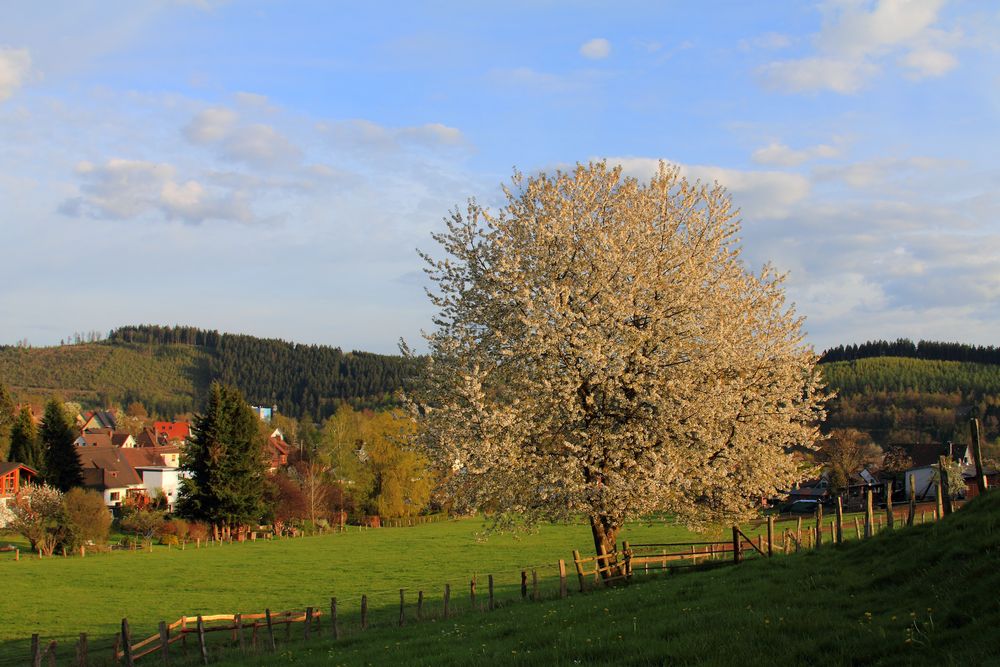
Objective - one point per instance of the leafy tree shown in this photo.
(225, 458)
(601, 349)
(86, 518)
(35, 512)
(25, 445)
(846, 451)
(62, 465)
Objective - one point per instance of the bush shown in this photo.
(198, 531)
(86, 518)
(173, 532)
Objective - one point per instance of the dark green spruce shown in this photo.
(62, 465)
(25, 445)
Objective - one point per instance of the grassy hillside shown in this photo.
(920, 596)
(168, 378)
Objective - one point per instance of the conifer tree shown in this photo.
(6, 419)
(225, 459)
(62, 465)
(25, 447)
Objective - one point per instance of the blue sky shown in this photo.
(269, 168)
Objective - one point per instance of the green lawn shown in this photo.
(59, 598)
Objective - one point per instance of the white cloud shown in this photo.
(211, 125)
(124, 189)
(14, 67)
(255, 144)
(367, 135)
(929, 62)
(780, 155)
(596, 49)
(758, 194)
(856, 39)
(815, 74)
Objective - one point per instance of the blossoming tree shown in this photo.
(601, 349)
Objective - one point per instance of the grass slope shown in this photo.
(924, 595)
(171, 375)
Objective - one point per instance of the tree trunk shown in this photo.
(605, 533)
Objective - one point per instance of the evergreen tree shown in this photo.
(6, 419)
(62, 465)
(225, 458)
(25, 447)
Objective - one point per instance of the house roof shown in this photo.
(172, 430)
(278, 445)
(100, 419)
(142, 456)
(927, 453)
(9, 466)
(107, 467)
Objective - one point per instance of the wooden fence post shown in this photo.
(737, 547)
(201, 640)
(524, 584)
(492, 603)
(977, 456)
(36, 651)
(364, 612)
(913, 501)
(306, 631)
(447, 598)
(939, 508)
(472, 591)
(579, 570)
(534, 585)
(770, 536)
(420, 605)
(798, 532)
(562, 578)
(840, 519)
(334, 630)
(869, 513)
(890, 516)
(270, 630)
(127, 644)
(164, 642)
(81, 650)
(819, 524)
(946, 483)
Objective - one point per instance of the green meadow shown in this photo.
(60, 597)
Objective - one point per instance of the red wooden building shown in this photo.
(13, 476)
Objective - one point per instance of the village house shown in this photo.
(157, 475)
(105, 438)
(12, 477)
(924, 471)
(108, 471)
(99, 420)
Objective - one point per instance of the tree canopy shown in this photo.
(601, 349)
(57, 434)
(226, 462)
(25, 447)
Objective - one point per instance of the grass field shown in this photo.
(926, 595)
(59, 598)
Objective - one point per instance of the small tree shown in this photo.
(36, 513)
(846, 451)
(601, 349)
(86, 518)
(62, 465)
(144, 523)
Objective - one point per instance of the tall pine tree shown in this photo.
(225, 459)
(62, 465)
(6, 419)
(25, 447)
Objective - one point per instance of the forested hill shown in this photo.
(904, 347)
(169, 369)
(899, 398)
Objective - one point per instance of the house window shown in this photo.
(115, 495)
